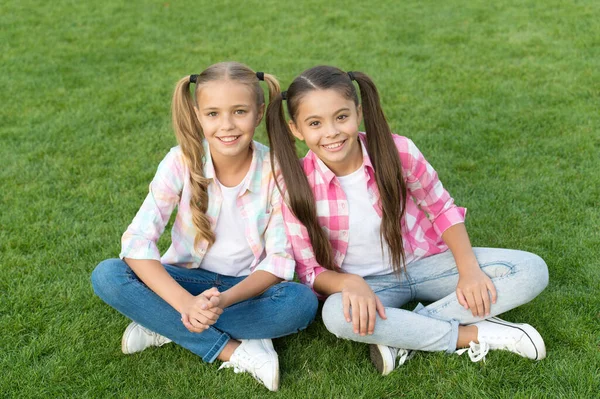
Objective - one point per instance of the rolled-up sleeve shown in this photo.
(279, 259)
(307, 266)
(423, 184)
(140, 238)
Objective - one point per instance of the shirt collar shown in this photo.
(251, 181)
(327, 174)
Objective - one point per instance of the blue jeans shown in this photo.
(283, 309)
(518, 277)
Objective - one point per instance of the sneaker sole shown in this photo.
(269, 347)
(534, 336)
(378, 360)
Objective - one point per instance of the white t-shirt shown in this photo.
(230, 255)
(364, 256)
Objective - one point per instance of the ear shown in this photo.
(360, 114)
(260, 114)
(295, 130)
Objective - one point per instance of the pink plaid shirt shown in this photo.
(259, 202)
(429, 209)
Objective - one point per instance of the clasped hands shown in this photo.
(202, 311)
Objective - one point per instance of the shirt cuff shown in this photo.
(449, 218)
(139, 249)
(309, 278)
(278, 266)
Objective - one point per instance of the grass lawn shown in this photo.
(502, 98)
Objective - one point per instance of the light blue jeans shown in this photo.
(518, 277)
(283, 309)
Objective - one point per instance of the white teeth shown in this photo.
(333, 146)
(228, 138)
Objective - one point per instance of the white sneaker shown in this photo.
(257, 357)
(137, 338)
(497, 334)
(384, 357)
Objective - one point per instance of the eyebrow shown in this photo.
(336, 112)
(235, 106)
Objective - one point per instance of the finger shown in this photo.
(186, 322)
(346, 302)
(212, 292)
(479, 303)
(355, 311)
(461, 298)
(364, 317)
(214, 301)
(380, 308)
(492, 289)
(372, 309)
(471, 302)
(486, 301)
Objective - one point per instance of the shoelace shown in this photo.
(403, 355)
(240, 368)
(157, 339)
(475, 351)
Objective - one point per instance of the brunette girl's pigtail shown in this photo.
(190, 136)
(301, 198)
(388, 168)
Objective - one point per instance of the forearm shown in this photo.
(251, 286)
(330, 282)
(154, 275)
(457, 240)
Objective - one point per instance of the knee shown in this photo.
(302, 299)
(333, 315)
(536, 270)
(105, 277)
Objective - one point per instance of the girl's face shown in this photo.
(328, 123)
(228, 115)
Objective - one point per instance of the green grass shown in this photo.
(501, 98)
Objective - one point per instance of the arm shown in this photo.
(473, 284)
(139, 250)
(253, 285)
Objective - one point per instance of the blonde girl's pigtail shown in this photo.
(190, 137)
(272, 84)
(301, 198)
(388, 168)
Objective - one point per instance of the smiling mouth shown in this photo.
(228, 139)
(333, 146)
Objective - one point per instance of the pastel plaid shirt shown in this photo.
(429, 209)
(259, 202)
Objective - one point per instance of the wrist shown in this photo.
(184, 302)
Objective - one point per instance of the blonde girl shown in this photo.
(371, 224)
(219, 290)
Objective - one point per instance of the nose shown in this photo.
(332, 130)
(227, 122)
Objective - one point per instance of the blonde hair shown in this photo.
(190, 135)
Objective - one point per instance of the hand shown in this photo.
(472, 291)
(202, 311)
(365, 305)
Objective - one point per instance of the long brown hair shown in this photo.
(190, 135)
(380, 147)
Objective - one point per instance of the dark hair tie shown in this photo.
(260, 75)
(193, 78)
(351, 76)
(284, 95)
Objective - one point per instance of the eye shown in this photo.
(240, 111)
(314, 123)
(342, 117)
(212, 114)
